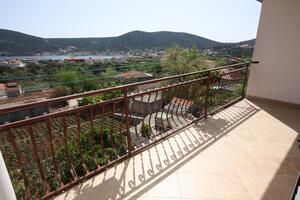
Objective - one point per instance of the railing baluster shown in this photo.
(122, 119)
(207, 91)
(129, 141)
(50, 138)
(245, 81)
(151, 112)
(34, 149)
(112, 125)
(78, 124)
(65, 137)
(91, 138)
(12, 140)
(101, 127)
(138, 109)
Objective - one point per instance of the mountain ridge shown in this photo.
(17, 43)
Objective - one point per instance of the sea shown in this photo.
(59, 57)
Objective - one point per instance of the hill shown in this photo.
(137, 40)
(16, 43)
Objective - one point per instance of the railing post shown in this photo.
(6, 188)
(207, 95)
(245, 80)
(127, 120)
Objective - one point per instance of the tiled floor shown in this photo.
(248, 151)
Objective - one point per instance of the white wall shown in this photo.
(6, 188)
(277, 76)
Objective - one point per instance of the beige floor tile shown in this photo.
(246, 165)
(194, 185)
(165, 187)
(230, 186)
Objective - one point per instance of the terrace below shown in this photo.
(247, 151)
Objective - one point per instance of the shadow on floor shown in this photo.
(290, 116)
(143, 171)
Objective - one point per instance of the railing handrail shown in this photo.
(121, 87)
(90, 106)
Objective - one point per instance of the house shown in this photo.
(136, 75)
(13, 90)
(210, 63)
(3, 94)
(14, 64)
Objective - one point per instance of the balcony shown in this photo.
(186, 136)
(246, 151)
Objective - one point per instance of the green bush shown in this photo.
(89, 141)
(65, 174)
(60, 91)
(110, 154)
(145, 130)
(89, 162)
(19, 189)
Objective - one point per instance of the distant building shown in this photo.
(80, 60)
(4, 63)
(13, 90)
(210, 64)
(14, 64)
(75, 60)
(137, 75)
(3, 94)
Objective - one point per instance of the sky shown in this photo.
(220, 20)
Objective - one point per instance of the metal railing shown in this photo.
(49, 153)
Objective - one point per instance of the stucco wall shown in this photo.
(277, 76)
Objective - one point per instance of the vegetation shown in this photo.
(60, 91)
(179, 60)
(94, 154)
(145, 130)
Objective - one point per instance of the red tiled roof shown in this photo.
(2, 86)
(133, 74)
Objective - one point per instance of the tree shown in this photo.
(70, 78)
(179, 60)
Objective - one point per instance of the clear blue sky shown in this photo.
(221, 20)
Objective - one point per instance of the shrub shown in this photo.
(19, 189)
(101, 161)
(89, 100)
(110, 154)
(66, 176)
(60, 91)
(145, 130)
(112, 94)
(79, 169)
(53, 183)
(89, 162)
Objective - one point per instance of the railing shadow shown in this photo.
(138, 174)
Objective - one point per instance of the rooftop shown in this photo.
(134, 74)
(247, 151)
